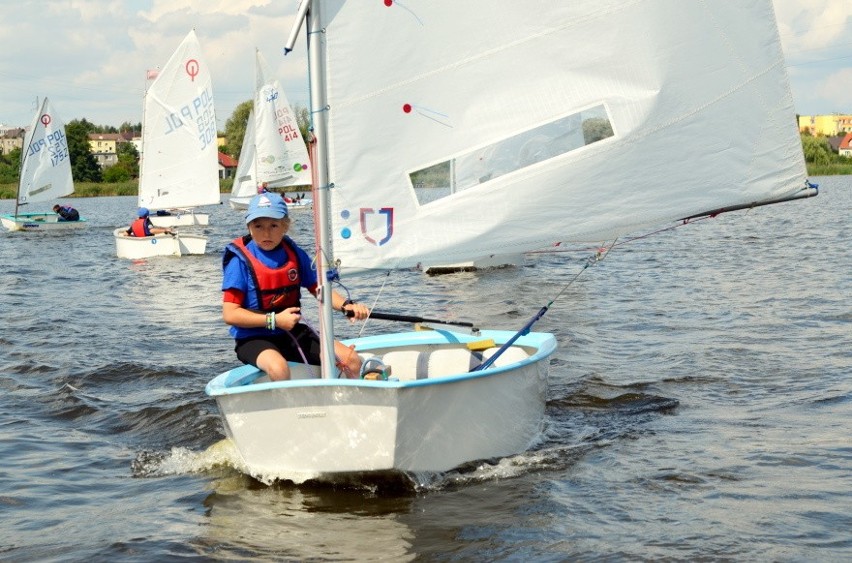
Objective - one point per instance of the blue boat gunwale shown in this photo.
(238, 380)
(23, 217)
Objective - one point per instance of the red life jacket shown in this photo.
(139, 227)
(269, 289)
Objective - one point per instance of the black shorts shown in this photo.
(298, 345)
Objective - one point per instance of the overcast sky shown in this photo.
(90, 56)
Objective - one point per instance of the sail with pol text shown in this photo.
(273, 155)
(45, 174)
(282, 158)
(179, 161)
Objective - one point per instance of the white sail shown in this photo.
(245, 180)
(282, 158)
(179, 166)
(553, 134)
(46, 165)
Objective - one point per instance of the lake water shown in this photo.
(700, 404)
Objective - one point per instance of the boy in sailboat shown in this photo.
(143, 227)
(66, 212)
(263, 273)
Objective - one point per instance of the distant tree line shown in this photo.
(84, 167)
(819, 155)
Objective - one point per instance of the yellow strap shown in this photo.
(480, 345)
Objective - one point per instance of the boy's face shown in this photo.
(267, 233)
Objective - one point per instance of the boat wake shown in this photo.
(221, 456)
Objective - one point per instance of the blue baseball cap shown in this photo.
(269, 205)
(143, 212)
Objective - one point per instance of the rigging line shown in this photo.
(594, 259)
(333, 274)
(590, 261)
(818, 61)
(375, 302)
(809, 190)
(683, 222)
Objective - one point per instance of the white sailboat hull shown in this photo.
(239, 203)
(301, 205)
(180, 218)
(47, 221)
(311, 427)
(136, 248)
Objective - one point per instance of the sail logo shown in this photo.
(192, 69)
(373, 222)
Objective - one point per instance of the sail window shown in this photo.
(536, 145)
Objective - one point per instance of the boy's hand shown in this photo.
(288, 318)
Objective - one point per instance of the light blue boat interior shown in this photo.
(240, 379)
(31, 218)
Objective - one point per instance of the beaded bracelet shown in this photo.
(270, 321)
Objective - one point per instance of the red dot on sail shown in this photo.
(406, 108)
(388, 3)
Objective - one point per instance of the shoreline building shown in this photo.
(825, 125)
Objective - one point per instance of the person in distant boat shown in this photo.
(66, 213)
(288, 199)
(263, 188)
(142, 226)
(262, 276)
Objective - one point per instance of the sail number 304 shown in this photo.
(198, 111)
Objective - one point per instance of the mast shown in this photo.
(319, 109)
(24, 151)
(253, 116)
(142, 133)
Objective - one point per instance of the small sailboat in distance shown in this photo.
(179, 161)
(45, 174)
(274, 155)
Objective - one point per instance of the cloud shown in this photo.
(812, 24)
(90, 56)
(816, 36)
(835, 88)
